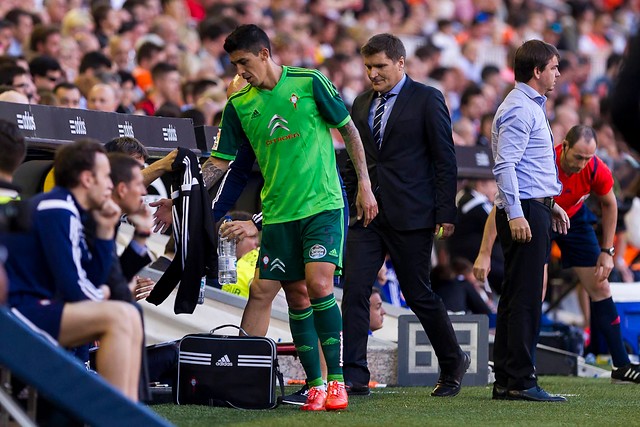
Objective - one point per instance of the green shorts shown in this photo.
(286, 247)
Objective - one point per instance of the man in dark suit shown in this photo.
(406, 133)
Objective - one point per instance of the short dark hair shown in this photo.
(248, 37)
(10, 72)
(161, 69)
(40, 34)
(73, 159)
(65, 85)
(531, 55)
(122, 167)
(391, 45)
(94, 60)
(40, 65)
(147, 50)
(469, 92)
(127, 145)
(12, 147)
(579, 132)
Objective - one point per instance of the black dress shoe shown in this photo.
(448, 385)
(534, 394)
(357, 390)
(499, 392)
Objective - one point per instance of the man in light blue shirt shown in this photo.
(525, 170)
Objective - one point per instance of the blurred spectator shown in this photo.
(67, 95)
(45, 40)
(147, 56)
(54, 10)
(22, 28)
(20, 80)
(128, 92)
(102, 97)
(46, 72)
(6, 36)
(165, 88)
(107, 22)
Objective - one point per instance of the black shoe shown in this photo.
(297, 398)
(629, 374)
(448, 385)
(357, 390)
(499, 392)
(534, 394)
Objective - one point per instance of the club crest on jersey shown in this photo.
(317, 251)
(294, 100)
(265, 260)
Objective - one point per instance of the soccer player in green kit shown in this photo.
(286, 113)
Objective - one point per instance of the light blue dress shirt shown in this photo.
(387, 107)
(522, 144)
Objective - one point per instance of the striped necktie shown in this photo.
(377, 118)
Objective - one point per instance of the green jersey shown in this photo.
(289, 130)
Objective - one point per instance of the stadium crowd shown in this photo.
(166, 58)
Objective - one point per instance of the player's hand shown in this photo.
(604, 267)
(106, 219)
(106, 292)
(444, 230)
(366, 203)
(482, 267)
(559, 220)
(238, 229)
(142, 220)
(520, 231)
(142, 287)
(162, 218)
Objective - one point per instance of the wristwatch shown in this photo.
(611, 251)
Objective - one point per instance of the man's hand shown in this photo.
(520, 231)
(366, 203)
(106, 292)
(603, 267)
(141, 287)
(482, 267)
(238, 229)
(559, 220)
(166, 163)
(162, 218)
(142, 220)
(106, 219)
(444, 230)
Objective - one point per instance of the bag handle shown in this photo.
(229, 326)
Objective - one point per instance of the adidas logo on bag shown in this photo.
(224, 361)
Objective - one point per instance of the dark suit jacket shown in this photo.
(414, 174)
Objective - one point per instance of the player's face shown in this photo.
(383, 72)
(575, 159)
(250, 66)
(101, 185)
(131, 192)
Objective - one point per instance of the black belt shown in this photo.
(547, 201)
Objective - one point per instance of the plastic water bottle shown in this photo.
(227, 272)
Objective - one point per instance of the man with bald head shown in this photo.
(102, 97)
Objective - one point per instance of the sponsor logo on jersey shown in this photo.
(317, 251)
(277, 122)
(26, 121)
(224, 361)
(277, 264)
(255, 114)
(77, 126)
(333, 252)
